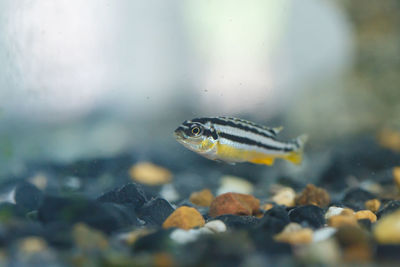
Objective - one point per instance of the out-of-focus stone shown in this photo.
(217, 226)
(235, 184)
(333, 211)
(323, 234)
(373, 205)
(285, 196)
(323, 253)
(169, 192)
(234, 203)
(294, 234)
(202, 198)
(396, 177)
(267, 206)
(163, 259)
(347, 212)
(388, 208)
(356, 197)
(313, 195)
(239, 222)
(89, 239)
(355, 243)
(309, 215)
(387, 229)
(155, 212)
(32, 244)
(184, 218)
(390, 139)
(39, 180)
(150, 174)
(365, 214)
(185, 236)
(131, 237)
(338, 221)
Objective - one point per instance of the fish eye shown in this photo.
(196, 130)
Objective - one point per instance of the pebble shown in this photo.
(216, 226)
(313, 195)
(323, 234)
(155, 212)
(338, 221)
(39, 180)
(355, 243)
(294, 234)
(234, 203)
(184, 218)
(285, 196)
(309, 215)
(238, 222)
(169, 192)
(267, 206)
(355, 198)
(32, 244)
(274, 221)
(365, 214)
(185, 236)
(333, 211)
(131, 193)
(150, 174)
(396, 177)
(27, 196)
(235, 184)
(323, 253)
(202, 198)
(88, 239)
(373, 205)
(387, 229)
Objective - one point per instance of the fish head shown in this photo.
(195, 136)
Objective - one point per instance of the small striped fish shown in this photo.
(235, 140)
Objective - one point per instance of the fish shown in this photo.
(234, 140)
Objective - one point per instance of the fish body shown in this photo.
(235, 140)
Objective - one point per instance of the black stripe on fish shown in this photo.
(248, 141)
(241, 125)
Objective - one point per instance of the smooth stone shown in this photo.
(88, 239)
(169, 192)
(155, 212)
(388, 252)
(323, 253)
(387, 229)
(202, 198)
(338, 221)
(274, 221)
(309, 215)
(285, 196)
(27, 196)
(313, 195)
(216, 226)
(234, 203)
(333, 211)
(238, 222)
(235, 184)
(157, 241)
(323, 234)
(294, 234)
(396, 177)
(185, 236)
(150, 174)
(373, 205)
(355, 198)
(128, 194)
(365, 214)
(184, 218)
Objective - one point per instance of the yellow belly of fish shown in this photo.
(231, 154)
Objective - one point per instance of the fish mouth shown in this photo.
(179, 134)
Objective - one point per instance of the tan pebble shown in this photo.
(365, 214)
(131, 237)
(89, 239)
(313, 195)
(342, 220)
(373, 205)
(294, 234)
(389, 138)
(32, 245)
(396, 177)
(185, 218)
(347, 212)
(357, 253)
(150, 174)
(202, 198)
(163, 259)
(234, 203)
(387, 229)
(267, 206)
(285, 196)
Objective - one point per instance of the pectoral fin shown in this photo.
(295, 157)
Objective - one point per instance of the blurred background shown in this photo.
(96, 78)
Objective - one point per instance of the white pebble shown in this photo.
(333, 211)
(169, 192)
(235, 184)
(185, 236)
(216, 226)
(323, 234)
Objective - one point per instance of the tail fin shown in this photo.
(296, 156)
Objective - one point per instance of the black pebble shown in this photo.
(355, 198)
(27, 196)
(107, 217)
(390, 207)
(131, 193)
(155, 211)
(388, 252)
(274, 220)
(153, 242)
(309, 215)
(238, 222)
